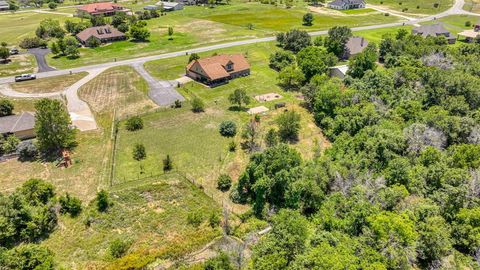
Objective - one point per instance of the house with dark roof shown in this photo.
(346, 4)
(4, 5)
(104, 9)
(434, 30)
(103, 34)
(21, 125)
(354, 46)
(218, 69)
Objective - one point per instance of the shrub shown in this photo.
(228, 128)
(387, 14)
(177, 104)
(28, 151)
(436, 5)
(167, 164)
(468, 23)
(70, 205)
(197, 105)
(224, 182)
(134, 123)
(118, 248)
(103, 202)
(194, 219)
(93, 42)
(10, 144)
(139, 152)
(32, 42)
(288, 125)
(6, 107)
(214, 220)
(232, 146)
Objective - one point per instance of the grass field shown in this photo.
(152, 218)
(48, 85)
(472, 6)
(414, 6)
(23, 63)
(119, 88)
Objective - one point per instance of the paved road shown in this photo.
(456, 9)
(161, 92)
(40, 58)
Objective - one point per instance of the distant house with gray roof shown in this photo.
(4, 5)
(346, 4)
(21, 125)
(167, 6)
(434, 30)
(354, 46)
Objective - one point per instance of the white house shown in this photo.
(346, 4)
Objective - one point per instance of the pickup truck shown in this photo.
(25, 77)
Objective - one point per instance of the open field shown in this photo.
(22, 63)
(472, 6)
(152, 218)
(48, 85)
(119, 88)
(414, 6)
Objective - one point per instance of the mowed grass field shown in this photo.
(48, 85)
(414, 6)
(151, 218)
(192, 139)
(19, 64)
(472, 6)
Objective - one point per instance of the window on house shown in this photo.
(229, 66)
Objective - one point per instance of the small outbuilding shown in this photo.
(339, 71)
(103, 34)
(21, 125)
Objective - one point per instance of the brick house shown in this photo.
(104, 9)
(103, 34)
(218, 69)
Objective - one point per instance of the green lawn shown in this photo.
(377, 34)
(414, 6)
(358, 11)
(152, 218)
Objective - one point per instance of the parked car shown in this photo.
(25, 77)
(14, 51)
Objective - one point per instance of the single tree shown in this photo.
(193, 57)
(139, 152)
(134, 123)
(294, 40)
(271, 138)
(291, 78)
(70, 205)
(4, 54)
(197, 105)
(239, 97)
(337, 39)
(288, 125)
(228, 128)
(167, 164)
(53, 127)
(170, 33)
(308, 19)
(224, 182)
(103, 201)
(52, 5)
(250, 134)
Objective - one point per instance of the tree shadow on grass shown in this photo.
(236, 108)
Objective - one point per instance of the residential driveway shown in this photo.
(80, 113)
(40, 57)
(161, 92)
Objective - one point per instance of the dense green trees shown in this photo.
(399, 186)
(294, 40)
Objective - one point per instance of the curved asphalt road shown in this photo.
(456, 9)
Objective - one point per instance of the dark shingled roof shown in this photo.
(431, 30)
(17, 122)
(356, 45)
(341, 2)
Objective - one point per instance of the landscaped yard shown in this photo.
(48, 85)
(151, 218)
(414, 6)
(22, 63)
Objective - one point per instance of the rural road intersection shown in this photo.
(163, 92)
